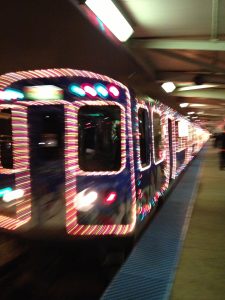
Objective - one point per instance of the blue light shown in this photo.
(76, 90)
(11, 94)
(4, 191)
(101, 90)
(152, 202)
(101, 24)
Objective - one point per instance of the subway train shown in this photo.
(81, 155)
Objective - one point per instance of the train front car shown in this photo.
(66, 153)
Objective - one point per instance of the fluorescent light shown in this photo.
(190, 112)
(197, 105)
(184, 104)
(109, 14)
(168, 86)
(197, 87)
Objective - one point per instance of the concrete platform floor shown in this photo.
(201, 271)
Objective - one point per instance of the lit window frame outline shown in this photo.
(69, 153)
(178, 150)
(78, 105)
(23, 206)
(172, 119)
(157, 111)
(145, 107)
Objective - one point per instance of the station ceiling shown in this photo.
(183, 42)
(177, 40)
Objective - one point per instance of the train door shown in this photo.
(170, 140)
(159, 150)
(47, 165)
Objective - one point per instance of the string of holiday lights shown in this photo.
(21, 150)
(20, 168)
(73, 228)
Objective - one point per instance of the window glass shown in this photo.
(6, 153)
(50, 140)
(99, 138)
(179, 140)
(157, 136)
(176, 132)
(143, 122)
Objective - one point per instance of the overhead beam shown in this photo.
(184, 76)
(205, 66)
(174, 44)
(146, 66)
(209, 93)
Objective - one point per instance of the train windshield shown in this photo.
(99, 138)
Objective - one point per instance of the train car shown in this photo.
(82, 156)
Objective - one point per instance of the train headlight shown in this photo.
(13, 195)
(84, 200)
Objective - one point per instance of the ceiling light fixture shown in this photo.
(168, 87)
(190, 112)
(196, 87)
(197, 105)
(109, 14)
(184, 104)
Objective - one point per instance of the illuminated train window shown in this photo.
(157, 136)
(143, 121)
(181, 135)
(99, 138)
(6, 154)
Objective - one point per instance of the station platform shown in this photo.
(181, 255)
